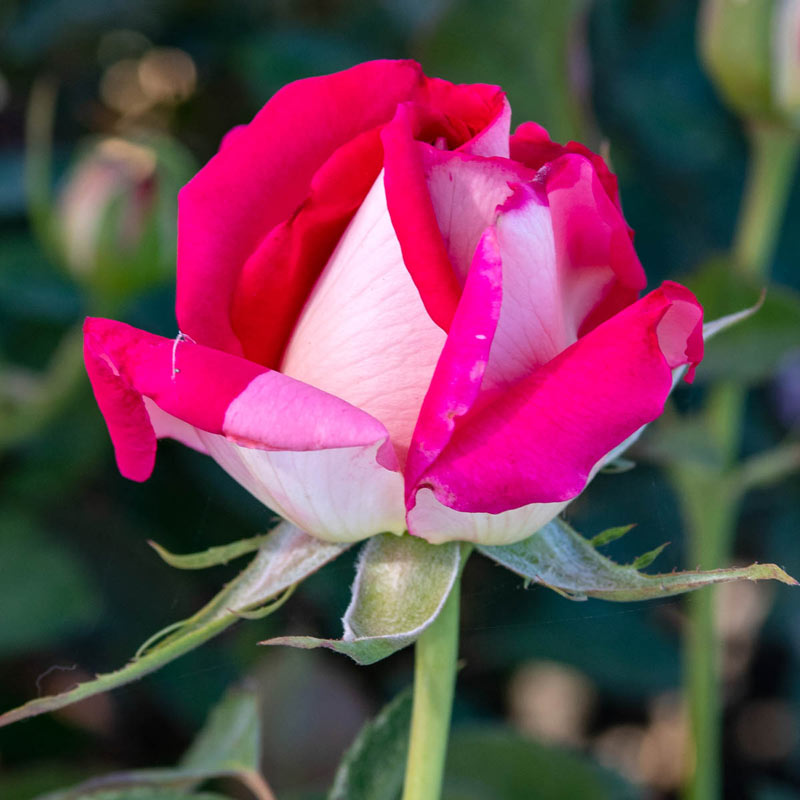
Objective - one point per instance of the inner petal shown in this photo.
(364, 334)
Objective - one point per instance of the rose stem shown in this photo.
(435, 656)
(709, 502)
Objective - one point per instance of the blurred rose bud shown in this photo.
(116, 213)
(751, 51)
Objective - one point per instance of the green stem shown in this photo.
(710, 505)
(434, 682)
(710, 499)
(774, 152)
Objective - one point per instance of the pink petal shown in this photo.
(539, 440)
(531, 145)
(261, 176)
(591, 234)
(493, 140)
(536, 315)
(414, 221)
(277, 278)
(465, 192)
(460, 369)
(478, 115)
(271, 432)
(364, 334)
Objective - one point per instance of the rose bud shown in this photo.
(751, 51)
(116, 213)
(396, 315)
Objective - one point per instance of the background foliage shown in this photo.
(80, 588)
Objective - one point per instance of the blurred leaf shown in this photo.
(29, 286)
(212, 557)
(137, 793)
(537, 69)
(230, 740)
(12, 194)
(490, 763)
(563, 560)
(401, 585)
(749, 351)
(227, 746)
(41, 777)
(374, 765)
(288, 556)
(59, 604)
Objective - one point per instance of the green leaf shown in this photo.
(749, 351)
(558, 557)
(40, 613)
(212, 557)
(493, 763)
(401, 585)
(374, 765)
(287, 556)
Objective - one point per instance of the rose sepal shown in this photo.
(286, 557)
(558, 557)
(401, 585)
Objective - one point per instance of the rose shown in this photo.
(397, 316)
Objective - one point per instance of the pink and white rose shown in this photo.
(396, 315)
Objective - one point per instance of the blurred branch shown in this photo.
(767, 468)
(30, 402)
(39, 160)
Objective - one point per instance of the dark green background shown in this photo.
(78, 584)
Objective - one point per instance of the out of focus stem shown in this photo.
(435, 655)
(710, 499)
(773, 158)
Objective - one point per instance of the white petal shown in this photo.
(364, 334)
(437, 523)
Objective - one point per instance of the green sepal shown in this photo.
(561, 559)
(212, 557)
(610, 535)
(401, 584)
(646, 559)
(286, 557)
(618, 466)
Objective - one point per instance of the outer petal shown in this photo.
(364, 334)
(478, 113)
(414, 222)
(272, 433)
(531, 145)
(474, 120)
(590, 233)
(278, 277)
(262, 174)
(540, 440)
